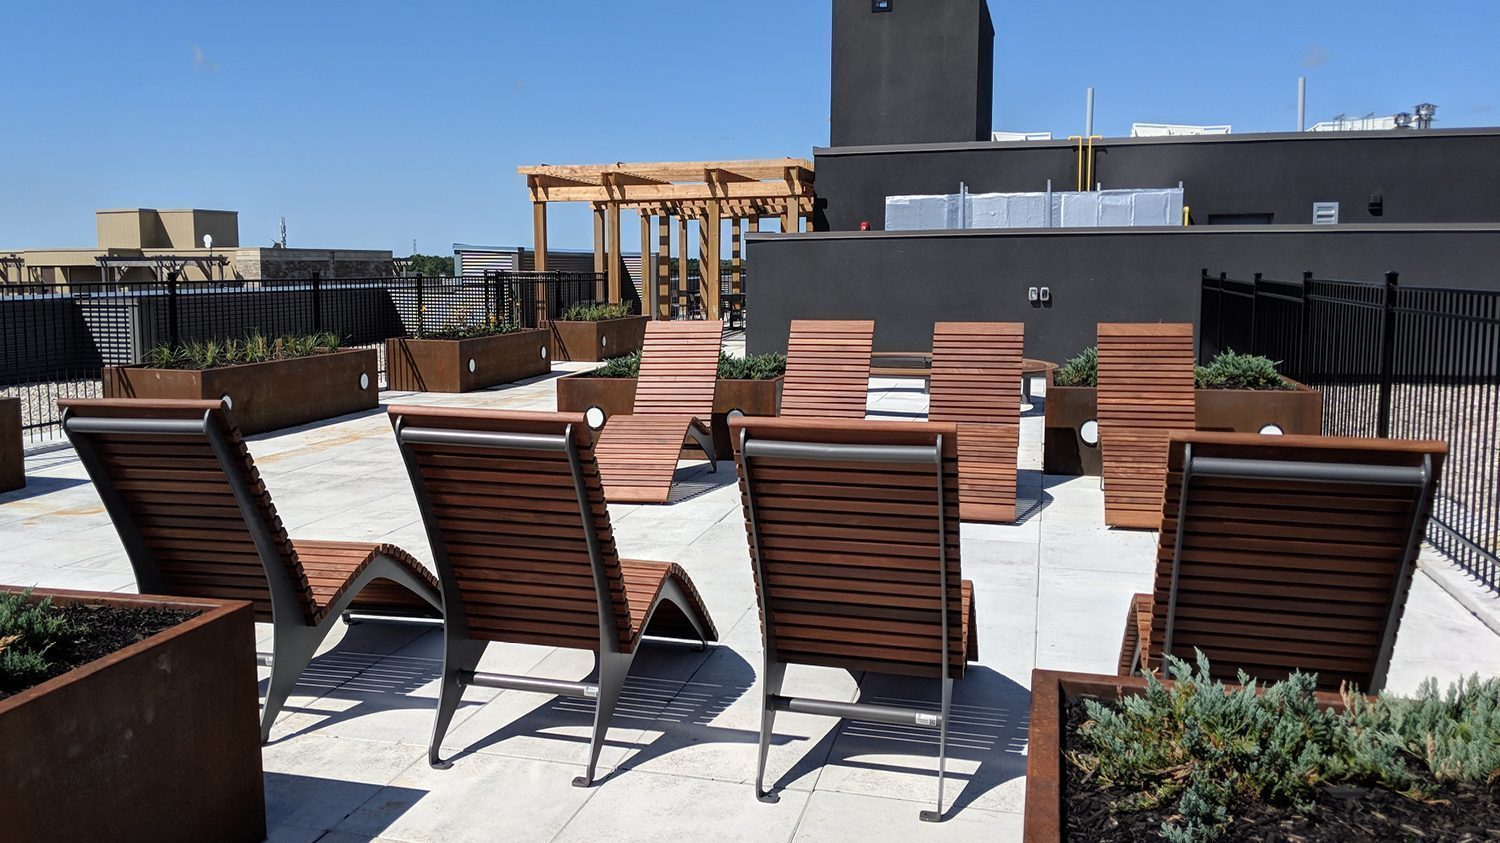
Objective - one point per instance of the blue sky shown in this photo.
(372, 124)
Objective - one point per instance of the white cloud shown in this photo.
(202, 62)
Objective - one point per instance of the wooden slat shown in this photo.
(827, 369)
(976, 383)
(1309, 589)
(861, 594)
(1145, 392)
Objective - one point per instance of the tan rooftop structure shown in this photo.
(710, 192)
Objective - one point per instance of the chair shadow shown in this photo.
(895, 415)
(990, 724)
(695, 480)
(37, 486)
(647, 699)
(1031, 495)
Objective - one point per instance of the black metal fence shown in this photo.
(1391, 361)
(54, 341)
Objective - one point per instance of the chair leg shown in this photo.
(291, 651)
(706, 444)
(937, 816)
(770, 687)
(460, 655)
(613, 668)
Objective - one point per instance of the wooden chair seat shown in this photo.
(638, 455)
(1302, 564)
(644, 581)
(827, 369)
(331, 566)
(976, 377)
(1146, 391)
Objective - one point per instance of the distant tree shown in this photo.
(432, 265)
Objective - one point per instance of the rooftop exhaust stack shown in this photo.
(1301, 103)
(1426, 113)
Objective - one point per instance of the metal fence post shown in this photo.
(317, 302)
(1254, 312)
(1387, 356)
(172, 335)
(421, 306)
(1302, 325)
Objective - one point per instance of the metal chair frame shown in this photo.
(294, 642)
(461, 652)
(772, 700)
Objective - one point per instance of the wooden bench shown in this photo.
(827, 369)
(1146, 391)
(976, 378)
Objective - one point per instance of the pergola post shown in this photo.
(599, 252)
(663, 267)
(735, 233)
(789, 217)
(614, 254)
(648, 267)
(682, 261)
(709, 235)
(539, 257)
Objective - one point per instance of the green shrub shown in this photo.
(28, 630)
(593, 311)
(254, 348)
(755, 367)
(1082, 369)
(1232, 370)
(1201, 750)
(469, 332)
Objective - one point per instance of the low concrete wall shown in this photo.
(905, 281)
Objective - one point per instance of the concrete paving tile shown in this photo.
(317, 781)
(834, 817)
(644, 806)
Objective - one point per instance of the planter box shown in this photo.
(1045, 778)
(616, 396)
(264, 396)
(12, 450)
(1298, 411)
(416, 365)
(157, 741)
(594, 341)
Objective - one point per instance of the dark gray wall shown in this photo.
(921, 73)
(907, 281)
(1432, 176)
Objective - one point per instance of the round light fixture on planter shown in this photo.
(604, 342)
(1089, 432)
(1271, 429)
(733, 414)
(594, 417)
(543, 352)
(227, 401)
(473, 365)
(364, 380)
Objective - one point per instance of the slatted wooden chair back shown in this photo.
(976, 384)
(171, 498)
(827, 369)
(1278, 574)
(849, 553)
(679, 367)
(1145, 393)
(508, 526)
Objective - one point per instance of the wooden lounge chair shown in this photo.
(853, 529)
(1295, 553)
(827, 369)
(674, 401)
(197, 521)
(1145, 392)
(521, 537)
(976, 384)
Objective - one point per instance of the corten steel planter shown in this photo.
(1045, 777)
(12, 450)
(595, 341)
(616, 396)
(1064, 450)
(462, 365)
(157, 741)
(264, 396)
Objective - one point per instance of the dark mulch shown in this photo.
(105, 629)
(1461, 813)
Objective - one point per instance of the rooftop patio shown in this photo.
(347, 757)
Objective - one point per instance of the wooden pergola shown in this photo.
(743, 192)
